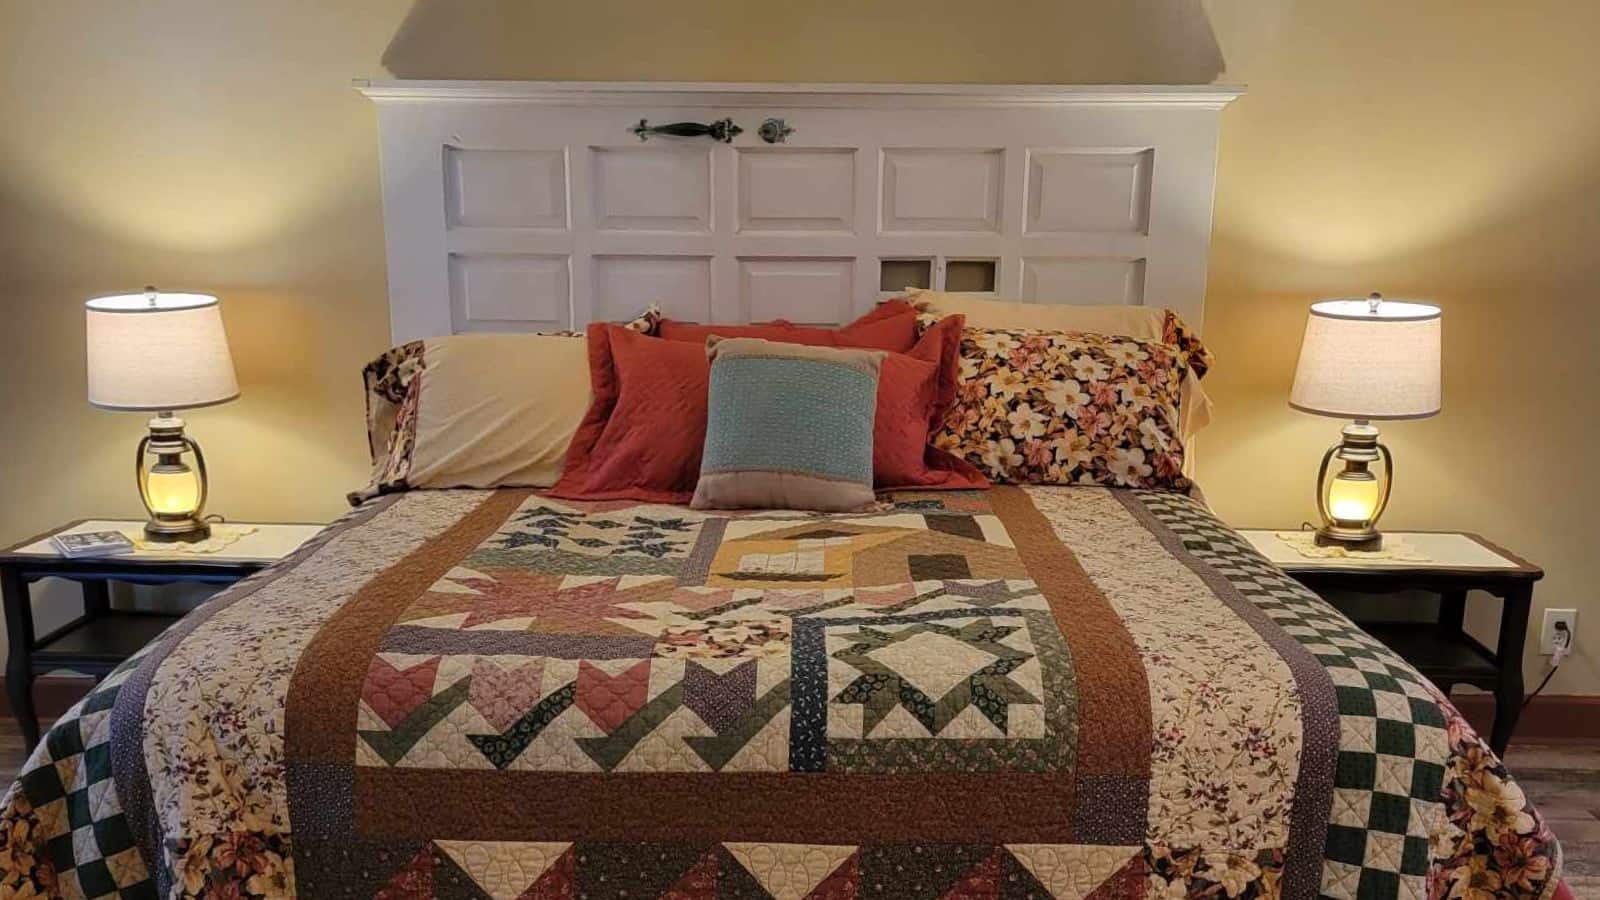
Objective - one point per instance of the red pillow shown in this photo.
(915, 390)
(642, 435)
(916, 386)
(891, 325)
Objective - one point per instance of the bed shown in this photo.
(1031, 690)
(1047, 691)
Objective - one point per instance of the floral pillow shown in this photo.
(1064, 407)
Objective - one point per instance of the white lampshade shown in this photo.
(156, 351)
(1369, 359)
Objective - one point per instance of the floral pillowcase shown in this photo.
(1064, 407)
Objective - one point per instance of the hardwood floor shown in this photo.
(12, 752)
(1563, 781)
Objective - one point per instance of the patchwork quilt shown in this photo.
(1026, 692)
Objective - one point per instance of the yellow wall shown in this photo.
(1433, 149)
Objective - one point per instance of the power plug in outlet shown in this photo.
(1547, 634)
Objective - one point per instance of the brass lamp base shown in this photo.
(1351, 500)
(176, 507)
(177, 531)
(1349, 539)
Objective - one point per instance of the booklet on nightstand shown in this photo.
(86, 544)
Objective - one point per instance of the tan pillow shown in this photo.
(1145, 322)
(498, 409)
(1131, 321)
(476, 410)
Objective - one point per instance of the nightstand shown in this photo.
(1455, 563)
(100, 639)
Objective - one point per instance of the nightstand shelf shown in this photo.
(98, 641)
(105, 639)
(1454, 563)
(1455, 657)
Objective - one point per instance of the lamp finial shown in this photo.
(1373, 300)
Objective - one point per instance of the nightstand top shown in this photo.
(268, 543)
(1444, 552)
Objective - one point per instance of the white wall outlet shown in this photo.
(1547, 634)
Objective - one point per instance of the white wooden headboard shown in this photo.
(533, 206)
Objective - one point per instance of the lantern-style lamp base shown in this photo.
(174, 493)
(1351, 499)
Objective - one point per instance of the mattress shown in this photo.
(1067, 692)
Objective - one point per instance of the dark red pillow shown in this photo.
(642, 435)
(915, 390)
(891, 325)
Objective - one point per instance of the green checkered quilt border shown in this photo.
(68, 784)
(1393, 746)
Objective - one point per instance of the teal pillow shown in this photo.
(788, 426)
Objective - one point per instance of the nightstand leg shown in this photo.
(96, 598)
(1508, 652)
(19, 668)
(1452, 609)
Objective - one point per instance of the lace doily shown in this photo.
(1304, 543)
(222, 536)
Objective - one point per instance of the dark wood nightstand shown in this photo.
(100, 639)
(1456, 562)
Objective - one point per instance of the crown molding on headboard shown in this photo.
(744, 94)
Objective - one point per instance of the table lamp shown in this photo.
(1364, 360)
(160, 352)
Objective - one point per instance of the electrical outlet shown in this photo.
(1547, 634)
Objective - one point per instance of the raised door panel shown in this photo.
(796, 190)
(652, 188)
(1089, 191)
(510, 292)
(625, 285)
(942, 189)
(505, 188)
(1083, 281)
(806, 291)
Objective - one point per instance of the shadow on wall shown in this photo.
(1045, 41)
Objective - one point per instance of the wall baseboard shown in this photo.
(1550, 717)
(52, 694)
(1558, 717)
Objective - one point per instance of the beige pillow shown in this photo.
(1144, 322)
(475, 410)
(498, 409)
(1131, 321)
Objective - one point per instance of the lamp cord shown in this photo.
(1540, 687)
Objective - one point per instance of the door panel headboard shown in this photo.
(535, 206)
